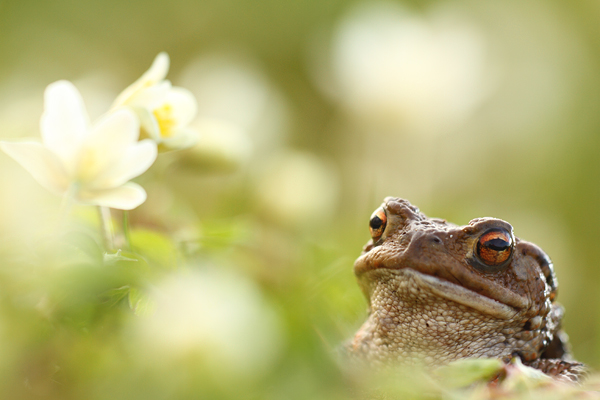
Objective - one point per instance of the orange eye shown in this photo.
(377, 224)
(494, 247)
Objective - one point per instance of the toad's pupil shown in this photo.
(376, 222)
(497, 244)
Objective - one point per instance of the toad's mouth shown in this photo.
(459, 294)
(464, 296)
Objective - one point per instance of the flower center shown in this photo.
(88, 167)
(166, 120)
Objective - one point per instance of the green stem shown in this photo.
(106, 228)
(126, 231)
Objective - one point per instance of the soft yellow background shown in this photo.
(284, 195)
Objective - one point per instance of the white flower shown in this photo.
(421, 72)
(297, 189)
(214, 317)
(164, 111)
(222, 145)
(233, 88)
(93, 164)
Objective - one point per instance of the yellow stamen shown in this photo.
(165, 119)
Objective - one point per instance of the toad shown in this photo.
(438, 292)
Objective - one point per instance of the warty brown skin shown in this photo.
(433, 299)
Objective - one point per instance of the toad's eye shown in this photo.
(377, 224)
(494, 247)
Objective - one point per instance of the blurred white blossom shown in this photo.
(221, 144)
(417, 72)
(91, 164)
(217, 316)
(297, 189)
(232, 88)
(164, 111)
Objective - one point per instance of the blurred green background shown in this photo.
(310, 113)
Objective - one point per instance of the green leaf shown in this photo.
(465, 372)
(119, 256)
(114, 296)
(522, 379)
(140, 303)
(154, 246)
(85, 243)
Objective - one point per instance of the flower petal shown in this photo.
(41, 163)
(134, 162)
(183, 104)
(148, 123)
(107, 143)
(151, 97)
(156, 73)
(159, 68)
(115, 132)
(125, 197)
(65, 122)
(182, 139)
